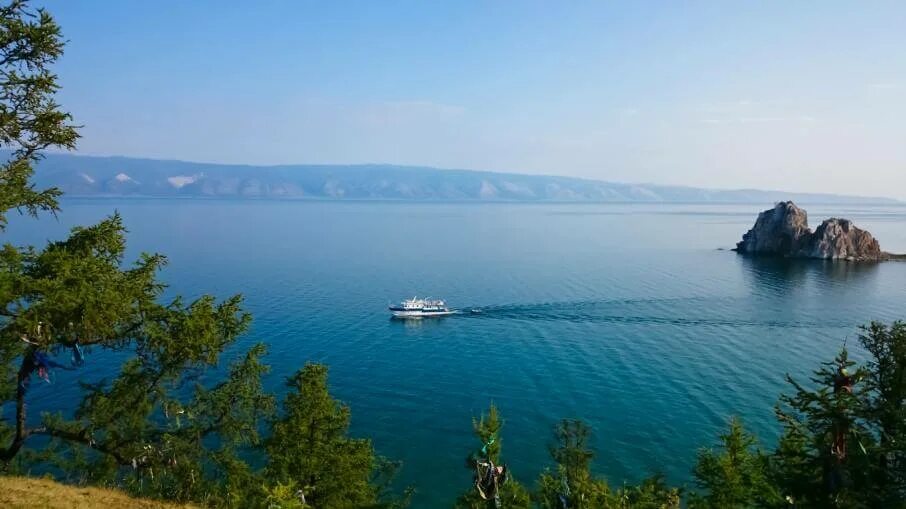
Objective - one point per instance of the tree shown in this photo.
(737, 476)
(487, 429)
(153, 428)
(651, 493)
(844, 442)
(884, 408)
(30, 119)
(309, 449)
(147, 429)
(572, 484)
(824, 457)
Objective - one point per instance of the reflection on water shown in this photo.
(417, 322)
(843, 271)
(782, 274)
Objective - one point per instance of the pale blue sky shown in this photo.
(807, 96)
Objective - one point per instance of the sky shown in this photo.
(799, 96)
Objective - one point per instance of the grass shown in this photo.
(25, 492)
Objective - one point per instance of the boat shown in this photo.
(419, 308)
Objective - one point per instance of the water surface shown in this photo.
(627, 316)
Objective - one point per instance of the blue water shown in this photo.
(627, 316)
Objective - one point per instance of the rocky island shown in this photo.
(783, 231)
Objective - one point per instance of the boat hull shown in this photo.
(420, 314)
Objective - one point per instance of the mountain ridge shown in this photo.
(121, 176)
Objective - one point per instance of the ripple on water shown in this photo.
(610, 313)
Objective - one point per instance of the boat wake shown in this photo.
(636, 311)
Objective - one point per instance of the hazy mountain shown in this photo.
(123, 176)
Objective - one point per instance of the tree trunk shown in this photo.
(25, 370)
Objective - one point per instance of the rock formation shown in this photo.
(838, 238)
(780, 231)
(783, 231)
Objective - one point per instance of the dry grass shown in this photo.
(30, 493)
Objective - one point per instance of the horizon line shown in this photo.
(75, 153)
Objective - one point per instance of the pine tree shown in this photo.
(885, 408)
(651, 493)
(30, 119)
(141, 429)
(737, 476)
(487, 429)
(572, 483)
(309, 449)
(144, 429)
(824, 457)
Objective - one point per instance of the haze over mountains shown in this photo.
(135, 177)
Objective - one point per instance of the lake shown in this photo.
(627, 316)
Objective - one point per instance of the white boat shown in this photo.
(418, 308)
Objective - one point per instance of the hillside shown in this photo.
(123, 177)
(29, 493)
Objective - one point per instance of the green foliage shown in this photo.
(651, 493)
(842, 446)
(309, 447)
(824, 455)
(285, 496)
(573, 485)
(884, 408)
(735, 477)
(487, 428)
(154, 428)
(143, 430)
(30, 119)
(571, 450)
(573, 482)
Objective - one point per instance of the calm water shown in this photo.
(626, 316)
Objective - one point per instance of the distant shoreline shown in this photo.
(121, 177)
(320, 199)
